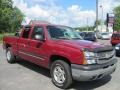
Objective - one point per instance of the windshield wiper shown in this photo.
(63, 38)
(77, 38)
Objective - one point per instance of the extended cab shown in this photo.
(63, 51)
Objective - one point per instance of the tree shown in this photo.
(98, 22)
(10, 17)
(117, 18)
(16, 19)
(5, 12)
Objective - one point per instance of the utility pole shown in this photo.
(87, 25)
(96, 14)
(101, 17)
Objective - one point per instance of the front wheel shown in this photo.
(61, 74)
(10, 56)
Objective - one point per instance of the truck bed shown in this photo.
(11, 41)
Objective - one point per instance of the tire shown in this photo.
(61, 74)
(10, 56)
(113, 45)
(117, 55)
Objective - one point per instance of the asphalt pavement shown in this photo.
(27, 76)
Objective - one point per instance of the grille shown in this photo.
(103, 57)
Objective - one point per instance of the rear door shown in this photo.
(23, 42)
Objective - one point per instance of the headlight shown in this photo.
(117, 48)
(89, 57)
(89, 54)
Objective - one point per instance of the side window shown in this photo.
(26, 32)
(38, 30)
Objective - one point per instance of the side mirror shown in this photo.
(39, 37)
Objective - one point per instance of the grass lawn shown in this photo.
(1, 36)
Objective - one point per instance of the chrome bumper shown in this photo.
(93, 72)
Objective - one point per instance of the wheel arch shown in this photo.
(7, 45)
(58, 57)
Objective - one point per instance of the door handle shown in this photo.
(28, 43)
(38, 45)
(23, 45)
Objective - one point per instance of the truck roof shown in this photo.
(34, 22)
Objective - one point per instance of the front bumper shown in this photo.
(118, 52)
(93, 72)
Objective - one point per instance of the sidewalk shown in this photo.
(1, 45)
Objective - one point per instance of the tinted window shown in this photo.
(37, 31)
(82, 34)
(90, 34)
(62, 32)
(116, 35)
(26, 32)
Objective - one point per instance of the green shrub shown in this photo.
(1, 37)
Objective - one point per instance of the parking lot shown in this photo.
(27, 76)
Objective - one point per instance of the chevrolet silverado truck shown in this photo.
(63, 51)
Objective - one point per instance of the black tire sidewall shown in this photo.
(12, 58)
(67, 71)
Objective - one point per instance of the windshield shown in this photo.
(63, 32)
(104, 33)
(90, 34)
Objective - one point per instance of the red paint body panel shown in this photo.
(39, 52)
(115, 39)
(12, 40)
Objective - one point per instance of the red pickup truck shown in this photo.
(115, 39)
(63, 51)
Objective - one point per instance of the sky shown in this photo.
(73, 13)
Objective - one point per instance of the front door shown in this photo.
(37, 49)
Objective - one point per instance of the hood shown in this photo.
(80, 44)
(105, 35)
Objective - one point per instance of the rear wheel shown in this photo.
(61, 74)
(10, 56)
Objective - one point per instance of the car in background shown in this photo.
(90, 36)
(98, 35)
(117, 49)
(105, 35)
(115, 39)
(82, 34)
